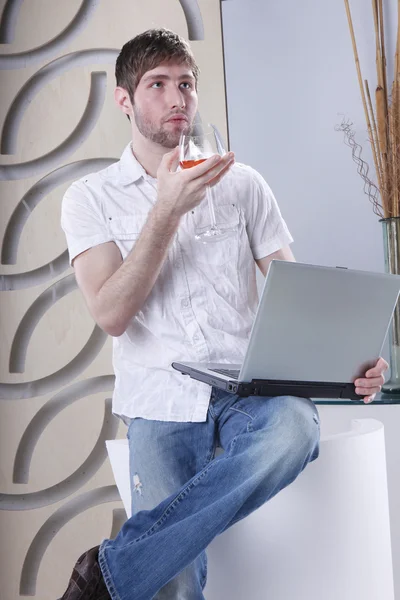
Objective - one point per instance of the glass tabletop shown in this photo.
(379, 399)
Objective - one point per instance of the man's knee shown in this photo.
(294, 424)
(300, 425)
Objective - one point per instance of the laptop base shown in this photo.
(273, 387)
(301, 389)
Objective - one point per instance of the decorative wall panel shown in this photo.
(58, 122)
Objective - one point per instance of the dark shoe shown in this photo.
(87, 581)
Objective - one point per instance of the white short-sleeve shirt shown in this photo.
(202, 306)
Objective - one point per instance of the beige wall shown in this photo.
(57, 491)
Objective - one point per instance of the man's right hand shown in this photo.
(180, 191)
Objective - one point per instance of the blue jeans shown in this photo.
(183, 496)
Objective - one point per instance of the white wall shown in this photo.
(290, 78)
(290, 75)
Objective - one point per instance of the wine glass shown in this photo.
(193, 150)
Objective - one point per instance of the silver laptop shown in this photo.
(316, 330)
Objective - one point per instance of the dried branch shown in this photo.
(370, 188)
(383, 123)
(375, 138)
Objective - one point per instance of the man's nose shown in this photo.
(176, 98)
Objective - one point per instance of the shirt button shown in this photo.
(195, 337)
(185, 303)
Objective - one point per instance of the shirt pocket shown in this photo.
(126, 227)
(125, 231)
(226, 217)
(220, 251)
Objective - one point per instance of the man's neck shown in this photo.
(148, 154)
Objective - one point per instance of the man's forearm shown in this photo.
(125, 292)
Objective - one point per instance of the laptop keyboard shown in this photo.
(228, 372)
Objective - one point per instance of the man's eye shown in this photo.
(186, 85)
(157, 84)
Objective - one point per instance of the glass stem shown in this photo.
(211, 207)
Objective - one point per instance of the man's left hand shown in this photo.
(372, 384)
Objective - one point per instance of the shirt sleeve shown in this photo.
(82, 220)
(266, 229)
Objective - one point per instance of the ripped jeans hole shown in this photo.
(137, 484)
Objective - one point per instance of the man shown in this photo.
(164, 297)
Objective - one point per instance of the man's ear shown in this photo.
(122, 99)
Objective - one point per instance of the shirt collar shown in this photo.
(130, 168)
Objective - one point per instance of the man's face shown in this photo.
(165, 103)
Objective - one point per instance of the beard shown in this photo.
(168, 138)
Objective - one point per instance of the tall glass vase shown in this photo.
(391, 245)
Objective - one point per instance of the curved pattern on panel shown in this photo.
(194, 19)
(12, 122)
(119, 518)
(74, 482)
(48, 412)
(97, 94)
(21, 281)
(52, 526)
(33, 56)
(31, 318)
(36, 193)
(8, 21)
(39, 387)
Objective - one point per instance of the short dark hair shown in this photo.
(146, 51)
